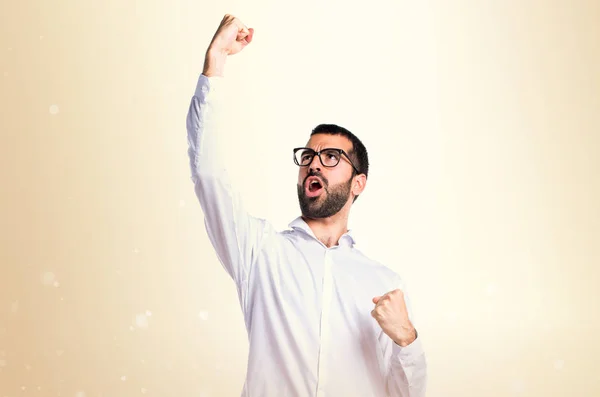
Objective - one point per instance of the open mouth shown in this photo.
(314, 187)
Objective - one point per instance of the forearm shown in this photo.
(202, 128)
(407, 375)
(231, 37)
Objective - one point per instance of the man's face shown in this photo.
(323, 191)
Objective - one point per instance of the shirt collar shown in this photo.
(299, 224)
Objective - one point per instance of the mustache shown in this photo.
(317, 174)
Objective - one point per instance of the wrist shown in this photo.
(403, 342)
(214, 62)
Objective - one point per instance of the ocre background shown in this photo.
(482, 120)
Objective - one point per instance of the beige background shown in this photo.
(482, 120)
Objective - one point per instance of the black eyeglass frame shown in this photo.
(318, 154)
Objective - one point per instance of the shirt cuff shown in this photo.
(206, 85)
(407, 354)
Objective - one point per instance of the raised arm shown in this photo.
(235, 235)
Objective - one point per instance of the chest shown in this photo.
(308, 283)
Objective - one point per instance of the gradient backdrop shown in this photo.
(482, 120)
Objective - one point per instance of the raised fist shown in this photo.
(231, 36)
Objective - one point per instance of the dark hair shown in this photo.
(358, 154)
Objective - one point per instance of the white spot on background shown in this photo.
(80, 394)
(14, 307)
(559, 364)
(41, 37)
(135, 250)
(5, 74)
(203, 315)
(53, 109)
(123, 378)
(141, 320)
(56, 284)
(28, 367)
(3, 362)
(59, 352)
(131, 328)
(48, 278)
(143, 390)
(148, 313)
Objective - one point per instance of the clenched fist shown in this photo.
(231, 37)
(392, 315)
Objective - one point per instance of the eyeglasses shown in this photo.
(329, 157)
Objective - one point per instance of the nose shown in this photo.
(315, 164)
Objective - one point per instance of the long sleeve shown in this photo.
(407, 376)
(235, 235)
(407, 366)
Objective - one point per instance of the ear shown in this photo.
(359, 184)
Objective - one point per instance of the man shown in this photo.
(322, 318)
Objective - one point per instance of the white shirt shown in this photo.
(307, 308)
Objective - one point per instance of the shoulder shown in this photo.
(374, 265)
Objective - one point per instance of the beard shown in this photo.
(335, 197)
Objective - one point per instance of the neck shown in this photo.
(329, 230)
